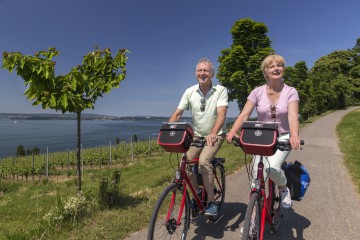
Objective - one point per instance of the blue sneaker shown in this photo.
(211, 210)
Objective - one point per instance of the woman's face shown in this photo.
(274, 71)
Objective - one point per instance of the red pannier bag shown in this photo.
(259, 138)
(175, 137)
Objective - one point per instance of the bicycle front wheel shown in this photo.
(275, 207)
(167, 220)
(251, 229)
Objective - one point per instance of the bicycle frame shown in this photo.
(183, 179)
(266, 214)
(174, 208)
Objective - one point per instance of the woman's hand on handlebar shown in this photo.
(294, 142)
(230, 135)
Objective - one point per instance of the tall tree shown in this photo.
(355, 72)
(332, 81)
(73, 92)
(297, 77)
(239, 70)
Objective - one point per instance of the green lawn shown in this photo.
(23, 203)
(349, 135)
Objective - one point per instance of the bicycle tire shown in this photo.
(159, 227)
(251, 229)
(275, 208)
(219, 187)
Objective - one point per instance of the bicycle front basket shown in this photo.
(175, 137)
(259, 138)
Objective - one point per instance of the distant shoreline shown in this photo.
(84, 116)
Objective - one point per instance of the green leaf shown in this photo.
(52, 102)
(64, 101)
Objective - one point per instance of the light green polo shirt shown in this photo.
(204, 121)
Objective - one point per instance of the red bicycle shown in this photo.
(171, 215)
(264, 203)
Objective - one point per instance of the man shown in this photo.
(208, 105)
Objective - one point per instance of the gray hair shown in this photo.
(201, 60)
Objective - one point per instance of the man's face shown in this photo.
(204, 73)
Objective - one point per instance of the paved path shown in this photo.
(330, 209)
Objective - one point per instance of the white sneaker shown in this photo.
(285, 199)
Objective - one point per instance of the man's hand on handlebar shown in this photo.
(211, 139)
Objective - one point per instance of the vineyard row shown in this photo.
(56, 163)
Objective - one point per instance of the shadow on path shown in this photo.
(292, 227)
(230, 212)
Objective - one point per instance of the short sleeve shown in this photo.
(254, 95)
(293, 95)
(184, 102)
(223, 96)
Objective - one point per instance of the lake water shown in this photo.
(60, 135)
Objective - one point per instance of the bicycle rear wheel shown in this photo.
(251, 229)
(164, 220)
(219, 186)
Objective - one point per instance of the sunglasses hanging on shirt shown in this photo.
(203, 104)
(273, 111)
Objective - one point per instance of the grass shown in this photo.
(349, 135)
(23, 203)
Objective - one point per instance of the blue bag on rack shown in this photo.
(298, 179)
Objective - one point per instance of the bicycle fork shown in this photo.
(266, 214)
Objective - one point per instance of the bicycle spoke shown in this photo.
(163, 223)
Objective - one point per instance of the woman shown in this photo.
(276, 102)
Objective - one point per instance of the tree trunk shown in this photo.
(78, 148)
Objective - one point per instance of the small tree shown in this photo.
(74, 92)
(36, 151)
(29, 151)
(20, 151)
(135, 138)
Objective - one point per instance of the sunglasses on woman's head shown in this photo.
(273, 111)
(202, 107)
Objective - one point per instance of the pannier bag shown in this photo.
(175, 137)
(298, 179)
(259, 138)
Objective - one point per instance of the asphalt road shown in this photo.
(330, 209)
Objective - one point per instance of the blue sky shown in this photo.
(166, 38)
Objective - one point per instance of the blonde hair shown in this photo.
(270, 59)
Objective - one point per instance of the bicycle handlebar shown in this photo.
(282, 146)
(285, 146)
(198, 142)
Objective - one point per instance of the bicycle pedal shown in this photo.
(194, 215)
